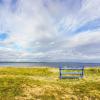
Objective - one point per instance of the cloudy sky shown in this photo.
(50, 30)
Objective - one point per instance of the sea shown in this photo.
(48, 64)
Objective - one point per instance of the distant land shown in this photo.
(48, 64)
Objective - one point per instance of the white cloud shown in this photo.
(44, 29)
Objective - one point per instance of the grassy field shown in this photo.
(44, 84)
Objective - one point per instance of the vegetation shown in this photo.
(44, 84)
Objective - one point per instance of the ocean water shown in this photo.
(48, 64)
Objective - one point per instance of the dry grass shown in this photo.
(44, 84)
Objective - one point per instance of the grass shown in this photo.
(44, 84)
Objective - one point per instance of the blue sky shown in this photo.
(50, 30)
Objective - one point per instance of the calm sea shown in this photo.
(49, 64)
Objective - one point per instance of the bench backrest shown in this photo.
(71, 72)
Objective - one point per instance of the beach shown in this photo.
(44, 84)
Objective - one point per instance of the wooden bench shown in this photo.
(71, 72)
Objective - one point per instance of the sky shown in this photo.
(50, 30)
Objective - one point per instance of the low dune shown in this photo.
(44, 84)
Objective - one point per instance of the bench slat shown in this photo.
(71, 69)
(71, 73)
(71, 77)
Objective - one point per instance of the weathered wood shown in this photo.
(71, 69)
(70, 77)
(72, 72)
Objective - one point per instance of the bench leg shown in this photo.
(60, 74)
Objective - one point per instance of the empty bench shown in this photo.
(71, 72)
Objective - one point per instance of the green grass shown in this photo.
(44, 84)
